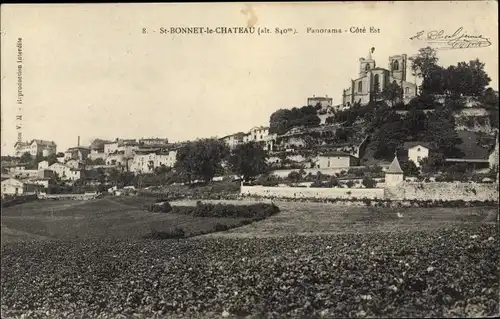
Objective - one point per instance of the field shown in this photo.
(89, 259)
(107, 217)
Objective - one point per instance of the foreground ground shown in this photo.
(359, 262)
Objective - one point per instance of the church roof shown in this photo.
(394, 168)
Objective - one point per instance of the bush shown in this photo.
(161, 207)
(220, 227)
(255, 211)
(177, 233)
(369, 182)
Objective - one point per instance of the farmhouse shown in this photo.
(61, 170)
(335, 160)
(77, 153)
(324, 102)
(16, 187)
(417, 151)
(35, 147)
(234, 139)
(75, 164)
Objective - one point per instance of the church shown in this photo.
(370, 76)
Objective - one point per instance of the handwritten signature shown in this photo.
(457, 40)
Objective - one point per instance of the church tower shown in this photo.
(397, 66)
(367, 64)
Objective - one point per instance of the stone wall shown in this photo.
(309, 192)
(87, 196)
(443, 191)
(404, 191)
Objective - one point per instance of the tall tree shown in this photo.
(201, 158)
(98, 143)
(423, 62)
(440, 130)
(248, 160)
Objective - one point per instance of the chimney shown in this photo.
(78, 141)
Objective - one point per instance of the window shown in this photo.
(419, 158)
(367, 67)
(328, 163)
(407, 90)
(418, 149)
(360, 86)
(395, 65)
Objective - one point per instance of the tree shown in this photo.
(409, 168)
(51, 159)
(26, 158)
(369, 182)
(284, 119)
(392, 92)
(423, 62)
(440, 131)
(294, 176)
(490, 102)
(375, 93)
(98, 143)
(248, 160)
(437, 80)
(201, 158)
(433, 163)
(467, 79)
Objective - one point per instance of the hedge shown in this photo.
(254, 211)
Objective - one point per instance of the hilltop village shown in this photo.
(440, 130)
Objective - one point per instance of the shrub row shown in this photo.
(179, 233)
(254, 212)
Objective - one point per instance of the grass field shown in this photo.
(89, 259)
(120, 217)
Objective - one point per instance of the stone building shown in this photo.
(370, 76)
(394, 174)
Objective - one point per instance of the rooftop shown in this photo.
(408, 145)
(394, 168)
(334, 153)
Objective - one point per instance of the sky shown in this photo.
(89, 71)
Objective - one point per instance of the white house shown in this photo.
(417, 151)
(43, 165)
(256, 134)
(233, 140)
(335, 160)
(12, 187)
(63, 171)
(75, 164)
(35, 147)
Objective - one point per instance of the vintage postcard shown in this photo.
(250, 160)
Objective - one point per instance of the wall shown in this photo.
(333, 162)
(68, 196)
(306, 192)
(326, 171)
(443, 191)
(404, 191)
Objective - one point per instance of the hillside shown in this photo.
(459, 128)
